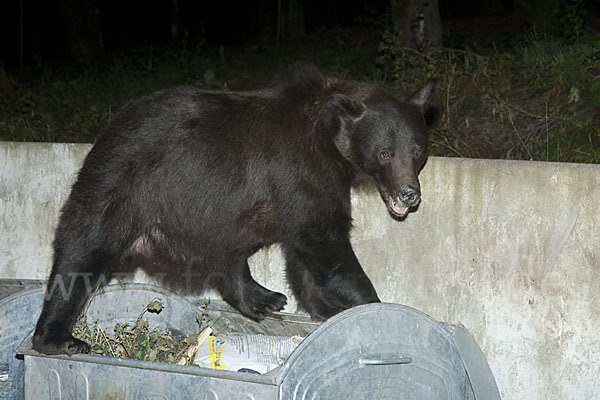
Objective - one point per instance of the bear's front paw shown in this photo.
(64, 344)
(261, 305)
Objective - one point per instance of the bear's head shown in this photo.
(387, 139)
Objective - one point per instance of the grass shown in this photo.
(524, 96)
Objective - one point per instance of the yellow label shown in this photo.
(216, 348)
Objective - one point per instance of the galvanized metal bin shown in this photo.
(20, 306)
(374, 351)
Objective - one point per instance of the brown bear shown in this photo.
(195, 181)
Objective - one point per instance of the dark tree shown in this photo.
(280, 19)
(491, 6)
(82, 22)
(417, 23)
(291, 18)
(542, 13)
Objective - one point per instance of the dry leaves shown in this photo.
(137, 341)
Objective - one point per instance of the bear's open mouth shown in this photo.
(397, 206)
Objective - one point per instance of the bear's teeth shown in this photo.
(398, 207)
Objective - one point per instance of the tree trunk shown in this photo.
(417, 23)
(491, 7)
(291, 19)
(541, 13)
(83, 28)
(267, 20)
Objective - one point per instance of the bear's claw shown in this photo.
(263, 304)
(66, 344)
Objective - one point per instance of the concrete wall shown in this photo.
(509, 249)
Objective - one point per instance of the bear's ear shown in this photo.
(339, 112)
(423, 96)
(422, 99)
(346, 108)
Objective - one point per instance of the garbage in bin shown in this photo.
(249, 353)
(224, 349)
(371, 351)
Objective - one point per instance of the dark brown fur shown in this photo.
(194, 181)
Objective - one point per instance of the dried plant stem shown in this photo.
(547, 135)
(112, 350)
(519, 136)
(447, 146)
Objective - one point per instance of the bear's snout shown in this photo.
(410, 195)
(407, 197)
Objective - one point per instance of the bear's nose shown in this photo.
(410, 195)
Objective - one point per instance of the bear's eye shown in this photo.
(385, 155)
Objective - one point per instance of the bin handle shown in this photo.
(384, 361)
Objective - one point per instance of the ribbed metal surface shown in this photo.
(374, 351)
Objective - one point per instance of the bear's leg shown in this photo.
(71, 283)
(306, 290)
(241, 291)
(326, 277)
